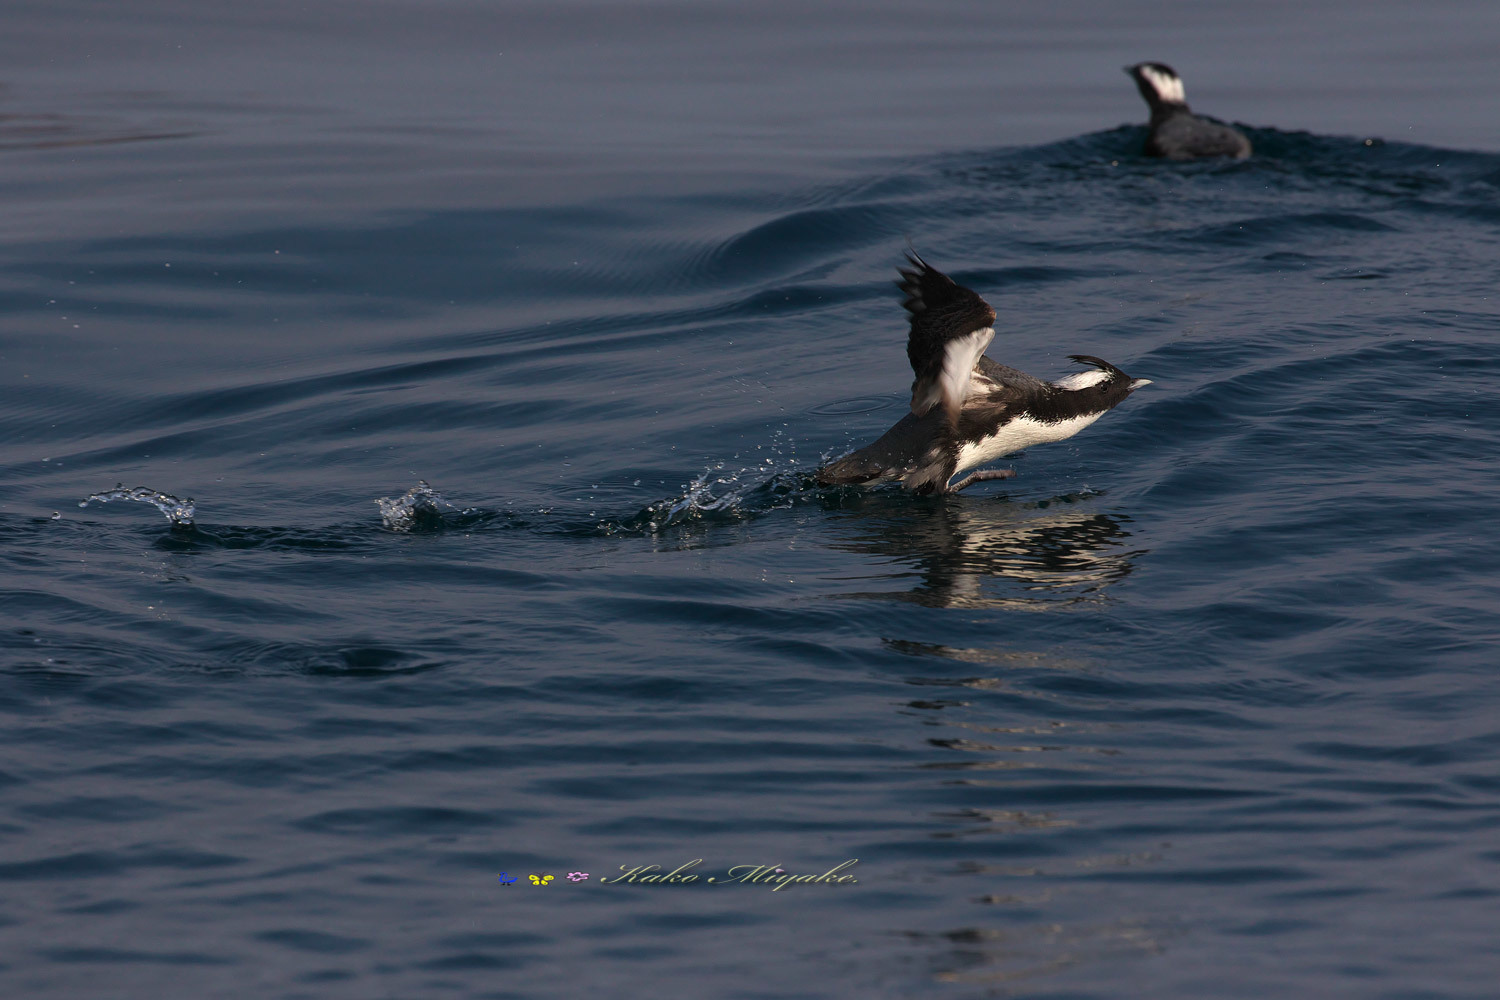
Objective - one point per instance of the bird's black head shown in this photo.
(1159, 85)
(1101, 388)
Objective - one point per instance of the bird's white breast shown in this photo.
(1022, 432)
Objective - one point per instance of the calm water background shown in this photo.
(1202, 703)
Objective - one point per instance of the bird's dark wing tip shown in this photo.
(919, 269)
(914, 278)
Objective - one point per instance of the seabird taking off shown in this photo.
(967, 410)
(1177, 133)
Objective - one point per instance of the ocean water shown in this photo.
(448, 378)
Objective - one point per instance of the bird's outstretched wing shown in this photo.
(950, 328)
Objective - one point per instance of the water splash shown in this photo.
(420, 506)
(708, 493)
(179, 512)
(716, 495)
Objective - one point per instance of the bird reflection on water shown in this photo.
(996, 554)
(998, 957)
(1020, 746)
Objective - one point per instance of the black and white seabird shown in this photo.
(1177, 133)
(967, 410)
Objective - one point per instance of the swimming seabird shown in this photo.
(967, 410)
(1177, 133)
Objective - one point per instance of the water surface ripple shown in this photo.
(1211, 682)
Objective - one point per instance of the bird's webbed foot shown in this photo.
(982, 476)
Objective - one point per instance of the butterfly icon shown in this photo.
(540, 879)
(504, 880)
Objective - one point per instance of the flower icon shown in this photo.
(577, 876)
(540, 879)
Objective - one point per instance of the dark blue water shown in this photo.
(1201, 703)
